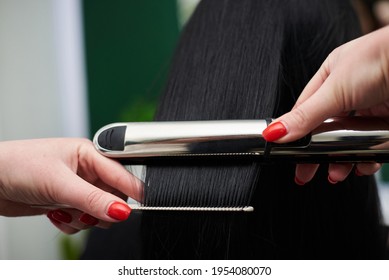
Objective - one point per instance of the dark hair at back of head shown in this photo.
(250, 59)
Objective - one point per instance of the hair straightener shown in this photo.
(343, 139)
(347, 139)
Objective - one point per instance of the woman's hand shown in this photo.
(64, 172)
(354, 78)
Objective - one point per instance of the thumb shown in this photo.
(306, 116)
(90, 199)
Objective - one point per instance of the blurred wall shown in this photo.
(43, 83)
(128, 50)
(42, 94)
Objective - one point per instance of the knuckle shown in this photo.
(299, 117)
(94, 199)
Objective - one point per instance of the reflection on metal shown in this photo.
(349, 139)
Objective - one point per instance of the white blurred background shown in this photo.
(42, 94)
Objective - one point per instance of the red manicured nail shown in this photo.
(60, 216)
(88, 219)
(274, 132)
(298, 181)
(119, 211)
(50, 216)
(331, 181)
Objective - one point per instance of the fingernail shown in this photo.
(298, 181)
(331, 180)
(119, 211)
(50, 216)
(88, 219)
(274, 132)
(357, 172)
(60, 216)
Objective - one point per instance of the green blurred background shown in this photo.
(128, 46)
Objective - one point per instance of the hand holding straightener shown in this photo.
(353, 79)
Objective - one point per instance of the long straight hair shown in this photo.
(250, 59)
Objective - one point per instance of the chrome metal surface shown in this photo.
(338, 139)
(154, 139)
(358, 136)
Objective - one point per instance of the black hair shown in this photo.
(250, 59)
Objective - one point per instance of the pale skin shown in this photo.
(354, 77)
(62, 172)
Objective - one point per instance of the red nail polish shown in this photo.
(60, 216)
(331, 181)
(88, 219)
(298, 181)
(119, 211)
(50, 216)
(274, 132)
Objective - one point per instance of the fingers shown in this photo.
(119, 178)
(306, 116)
(337, 172)
(80, 187)
(71, 221)
(345, 82)
(66, 171)
(112, 173)
(320, 99)
(63, 227)
(15, 209)
(315, 83)
(88, 198)
(367, 168)
(305, 173)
